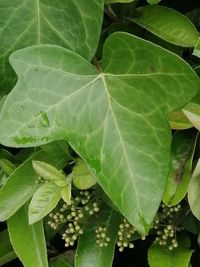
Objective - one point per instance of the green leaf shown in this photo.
(44, 200)
(81, 176)
(118, 1)
(75, 25)
(49, 172)
(66, 193)
(6, 252)
(178, 120)
(153, 2)
(192, 112)
(124, 141)
(27, 240)
(21, 184)
(7, 166)
(60, 261)
(159, 256)
(193, 192)
(196, 51)
(167, 24)
(183, 146)
(88, 253)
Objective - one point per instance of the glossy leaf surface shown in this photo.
(88, 253)
(183, 145)
(28, 22)
(167, 24)
(159, 256)
(125, 142)
(28, 240)
(44, 200)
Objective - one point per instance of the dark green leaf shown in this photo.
(28, 240)
(6, 250)
(44, 200)
(159, 256)
(183, 146)
(75, 25)
(60, 261)
(124, 141)
(168, 24)
(21, 184)
(88, 253)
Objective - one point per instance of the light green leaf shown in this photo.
(193, 192)
(178, 120)
(168, 24)
(196, 51)
(118, 1)
(192, 112)
(75, 25)
(124, 141)
(27, 240)
(88, 253)
(7, 166)
(6, 252)
(44, 200)
(21, 184)
(153, 2)
(81, 176)
(183, 146)
(160, 256)
(66, 193)
(49, 172)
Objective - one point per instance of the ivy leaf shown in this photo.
(88, 253)
(81, 176)
(178, 30)
(27, 240)
(193, 192)
(21, 184)
(44, 200)
(29, 22)
(124, 141)
(159, 256)
(183, 146)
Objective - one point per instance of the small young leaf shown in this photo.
(88, 253)
(161, 256)
(66, 193)
(178, 120)
(153, 2)
(27, 240)
(192, 112)
(81, 176)
(21, 184)
(48, 172)
(183, 146)
(44, 200)
(168, 24)
(193, 192)
(6, 250)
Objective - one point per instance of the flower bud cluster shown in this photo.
(166, 226)
(102, 238)
(125, 234)
(74, 215)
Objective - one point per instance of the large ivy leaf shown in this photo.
(21, 185)
(168, 24)
(28, 240)
(88, 253)
(28, 22)
(115, 120)
(183, 146)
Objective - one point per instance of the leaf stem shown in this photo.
(110, 13)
